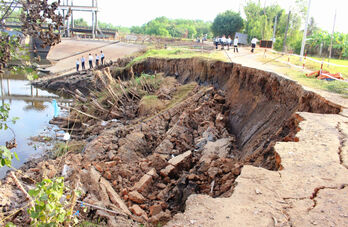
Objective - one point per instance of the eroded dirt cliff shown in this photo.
(147, 163)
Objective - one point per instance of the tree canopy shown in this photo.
(179, 28)
(227, 23)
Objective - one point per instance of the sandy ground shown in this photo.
(311, 190)
(65, 54)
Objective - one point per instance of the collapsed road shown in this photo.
(206, 142)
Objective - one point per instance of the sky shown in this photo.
(138, 12)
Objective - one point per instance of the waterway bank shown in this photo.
(33, 107)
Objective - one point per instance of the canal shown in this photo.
(34, 109)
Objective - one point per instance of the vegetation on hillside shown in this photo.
(180, 53)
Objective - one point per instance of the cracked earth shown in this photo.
(310, 190)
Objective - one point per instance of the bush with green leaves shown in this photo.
(6, 155)
(51, 208)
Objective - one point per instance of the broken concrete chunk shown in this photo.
(152, 173)
(161, 217)
(169, 170)
(143, 183)
(219, 98)
(110, 164)
(99, 167)
(138, 211)
(155, 209)
(165, 147)
(113, 196)
(180, 159)
(136, 197)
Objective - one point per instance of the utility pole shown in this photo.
(96, 17)
(305, 31)
(286, 32)
(72, 18)
(274, 28)
(333, 31)
(93, 21)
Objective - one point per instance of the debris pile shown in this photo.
(151, 141)
(145, 164)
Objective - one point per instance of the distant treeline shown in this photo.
(178, 28)
(259, 22)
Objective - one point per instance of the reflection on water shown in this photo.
(34, 108)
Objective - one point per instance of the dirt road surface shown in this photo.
(65, 54)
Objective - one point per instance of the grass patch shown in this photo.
(315, 66)
(335, 86)
(150, 104)
(62, 148)
(180, 53)
(181, 94)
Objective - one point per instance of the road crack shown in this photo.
(342, 138)
(318, 189)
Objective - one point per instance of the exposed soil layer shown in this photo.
(259, 103)
(146, 165)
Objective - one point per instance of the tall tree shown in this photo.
(227, 23)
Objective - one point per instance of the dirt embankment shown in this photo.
(260, 103)
(146, 168)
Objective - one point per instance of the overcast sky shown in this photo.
(138, 12)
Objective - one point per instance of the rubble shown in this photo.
(144, 166)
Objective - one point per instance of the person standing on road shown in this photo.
(229, 42)
(90, 61)
(253, 44)
(77, 65)
(235, 44)
(102, 57)
(223, 42)
(96, 60)
(83, 63)
(216, 41)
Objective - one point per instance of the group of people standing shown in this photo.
(227, 42)
(223, 41)
(98, 59)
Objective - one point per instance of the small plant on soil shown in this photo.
(6, 155)
(60, 149)
(49, 209)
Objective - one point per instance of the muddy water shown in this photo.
(34, 108)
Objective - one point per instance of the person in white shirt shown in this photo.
(102, 57)
(90, 61)
(223, 42)
(235, 44)
(229, 42)
(253, 44)
(77, 65)
(96, 60)
(83, 63)
(216, 42)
